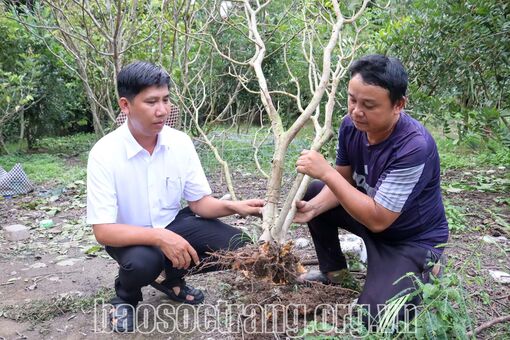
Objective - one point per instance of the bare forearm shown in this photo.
(210, 207)
(359, 205)
(122, 235)
(324, 201)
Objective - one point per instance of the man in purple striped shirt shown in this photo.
(385, 188)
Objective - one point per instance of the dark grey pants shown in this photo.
(141, 265)
(387, 262)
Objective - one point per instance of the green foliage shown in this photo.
(15, 90)
(484, 153)
(444, 315)
(457, 55)
(315, 330)
(18, 73)
(55, 96)
(455, 216)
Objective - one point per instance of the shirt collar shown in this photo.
(164, 138)
(132, 146)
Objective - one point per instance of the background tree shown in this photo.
(18, 76)
(15, 98)
(458, 57)
(96, 35)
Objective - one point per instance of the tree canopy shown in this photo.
(58, 60)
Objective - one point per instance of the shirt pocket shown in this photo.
(171, 192)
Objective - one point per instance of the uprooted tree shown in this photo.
(323, 35)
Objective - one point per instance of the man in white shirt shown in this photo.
(137, 176)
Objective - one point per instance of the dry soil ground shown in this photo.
(49, 283)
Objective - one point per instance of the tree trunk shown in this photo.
(3, 148)
(21, 129)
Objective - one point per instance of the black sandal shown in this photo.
(121, 316)
(184, 290)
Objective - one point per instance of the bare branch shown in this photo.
(294, 80)
(232, 60)
(358, 13)
(85, 10)
(485, 325)
(195, 115)
(256, 148)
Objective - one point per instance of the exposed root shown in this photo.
(270, 261)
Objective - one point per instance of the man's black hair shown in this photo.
(139, 75)
(386, 72)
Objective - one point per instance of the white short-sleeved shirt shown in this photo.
(125, 184)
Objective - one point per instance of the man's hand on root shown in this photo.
(305, 211)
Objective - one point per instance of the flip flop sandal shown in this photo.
(121, 316)
(185, 290)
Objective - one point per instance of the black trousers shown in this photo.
(141, 265)
(386, 262)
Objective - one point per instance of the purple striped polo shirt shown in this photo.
(402, 174)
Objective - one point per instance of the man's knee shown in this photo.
(143, 261)
(313, 189)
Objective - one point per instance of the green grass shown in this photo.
(41, 168)
(73, 145)
(471, 153)
(51, 163)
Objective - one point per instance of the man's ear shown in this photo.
(400, 104)
(124, 105)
